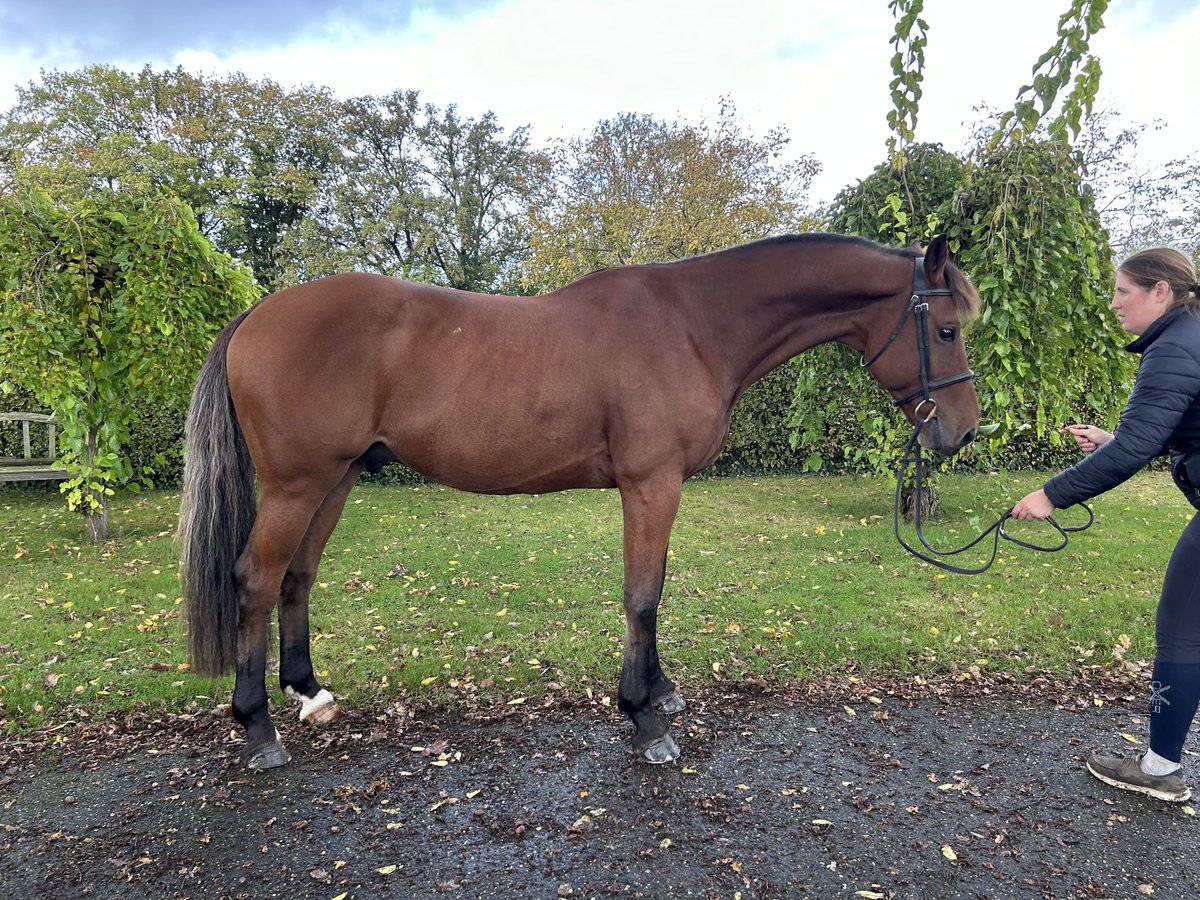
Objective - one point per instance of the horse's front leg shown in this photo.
(296, 676)
(649, 512)
(663, 693)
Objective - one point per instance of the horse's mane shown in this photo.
(965, 294)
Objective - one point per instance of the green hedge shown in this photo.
(759, 437)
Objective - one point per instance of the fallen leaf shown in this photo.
(949, 853)
(1130, 738)
(386, 870)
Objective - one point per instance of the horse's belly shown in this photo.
(485, 473)
(475, 454)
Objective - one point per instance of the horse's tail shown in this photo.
(216, 514)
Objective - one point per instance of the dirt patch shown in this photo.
(957, 789)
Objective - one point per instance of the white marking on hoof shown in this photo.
(319, 709)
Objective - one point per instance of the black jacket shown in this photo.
(1163, 414)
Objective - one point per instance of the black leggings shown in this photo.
(1177, 627)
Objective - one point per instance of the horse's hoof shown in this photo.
(663, 750)
(323, 714)
(268, 756)
(671, 703)
(319, 710)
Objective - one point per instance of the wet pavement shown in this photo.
(869, 794)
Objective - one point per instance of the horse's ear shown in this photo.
(936, 258)
(915, 246)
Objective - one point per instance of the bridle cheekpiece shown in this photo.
(918, 307)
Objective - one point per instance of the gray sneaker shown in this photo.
(1127, 775)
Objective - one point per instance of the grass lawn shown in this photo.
(460, 599)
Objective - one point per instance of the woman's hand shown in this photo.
(1087, 437)
(1033, 506)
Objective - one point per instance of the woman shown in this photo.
(1157, 298)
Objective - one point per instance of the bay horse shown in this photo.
(623, 379)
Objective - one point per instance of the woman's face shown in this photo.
(1137, 307)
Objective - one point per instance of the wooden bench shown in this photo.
(28, 467)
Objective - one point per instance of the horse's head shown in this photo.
(925, 367)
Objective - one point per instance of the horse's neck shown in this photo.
(765, 311)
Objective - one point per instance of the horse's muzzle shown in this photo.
(938, 438)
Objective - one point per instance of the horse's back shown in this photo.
(484, 393)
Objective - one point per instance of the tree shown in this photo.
(1031, 235)
(1066, 62)
(482, 183)
(420, 193)
(108, 299)
(1024, 224)
(1141, 205)
(244, 155)
(640, 190)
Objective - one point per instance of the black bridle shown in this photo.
(918, 307)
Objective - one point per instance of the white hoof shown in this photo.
(319, 710)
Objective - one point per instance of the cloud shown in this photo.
(560, 66)
(150, 29)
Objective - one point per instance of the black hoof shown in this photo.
(268, 756)
(663, 750)
(671, 703)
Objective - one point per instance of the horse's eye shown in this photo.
(947, 334)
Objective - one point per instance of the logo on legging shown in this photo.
(1157, 700)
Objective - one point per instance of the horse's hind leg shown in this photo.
(649, 512)
(282, 521)
(296, 676)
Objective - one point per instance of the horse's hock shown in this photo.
(32, 464)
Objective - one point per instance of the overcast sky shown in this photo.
(819, 69)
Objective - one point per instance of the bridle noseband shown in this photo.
(918, 307)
